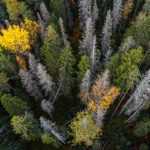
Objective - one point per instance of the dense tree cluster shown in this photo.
(75, 74)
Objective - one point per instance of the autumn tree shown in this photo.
(32, 28)
(84, 129)
(15, 39)
(128, 7)
(26, 126)
(101, 97)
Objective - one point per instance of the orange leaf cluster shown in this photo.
(84, 95)
(102, 95)
(21, 62)
(92, 106)
(109, 98)
(99, 88)
(106, 101)
(128, 8)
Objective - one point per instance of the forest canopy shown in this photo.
(74, 74)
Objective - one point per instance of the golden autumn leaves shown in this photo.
(101, 94)
(19, 39)
(88, 124)
(105, 102)
(15, 39)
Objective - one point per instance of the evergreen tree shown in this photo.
(142, 128)
(146, 7)
(57, 7)
(50, 51)
(7, 64)
(140, 30)
(66, 71)
(47, 138)
(124, 67)
(16, 8)
(83, 66)
(13, 105)
(3, 79)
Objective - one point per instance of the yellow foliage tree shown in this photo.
(84, 129)
(33, 28)
(109, 98)
(128, 8)
(102, 95)
(15, 39)
(99, 88)
(21, 61)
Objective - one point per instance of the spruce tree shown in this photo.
(13, 105)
